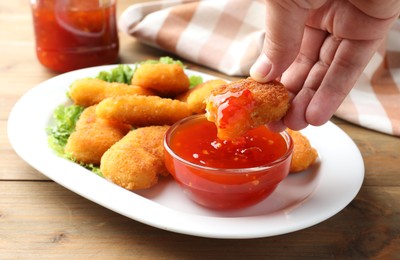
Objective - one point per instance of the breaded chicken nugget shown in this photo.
(129, 166)
(141, 111)
(134, 162)
(151, 138)
(167, 80)
(196, 96)
(89, 91)
(245, 104)
(93, 136)
(304, 155)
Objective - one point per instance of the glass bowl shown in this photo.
(223, 186)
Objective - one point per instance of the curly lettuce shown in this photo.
(195, 80)
(65, 120)
(121, 74)
(164, 60)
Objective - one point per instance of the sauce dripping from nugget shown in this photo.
(240, 107)
(237, 107)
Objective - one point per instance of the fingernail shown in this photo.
(261, 68)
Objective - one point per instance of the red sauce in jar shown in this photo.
(75, 34)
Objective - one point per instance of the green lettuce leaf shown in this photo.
(164, 60)
(195, 80)
(121, 74)
(65, 121)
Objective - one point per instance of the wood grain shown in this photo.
(46, 216)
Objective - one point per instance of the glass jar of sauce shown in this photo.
(74, 34)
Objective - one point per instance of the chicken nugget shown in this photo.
(134, 162)
(93, 136)
(242, 105)
(89, 91)
(167, 80)
(128, 166)
(151, 138)
(141, 111)
(304, 155)
(196, 96)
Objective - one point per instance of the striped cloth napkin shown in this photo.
(227, 35)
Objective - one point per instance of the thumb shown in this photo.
(285, 23)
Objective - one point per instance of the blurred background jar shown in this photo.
(74, 34)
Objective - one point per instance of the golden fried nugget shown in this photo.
(129, 167)
(304, 155)
(245, 104)
(196, 96)
(151, 138)
(141, 111)
(93, 136)
(168, 80)
(89, 91)
(137, 160)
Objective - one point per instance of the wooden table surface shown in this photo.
(41, 219)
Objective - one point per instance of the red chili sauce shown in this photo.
(231, 112)
(70, 37)
(197, 142)
(226, 174)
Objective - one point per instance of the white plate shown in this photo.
(302, 199)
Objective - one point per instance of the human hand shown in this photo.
(318, 49)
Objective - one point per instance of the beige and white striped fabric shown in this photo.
(227, 35)
(374, 102)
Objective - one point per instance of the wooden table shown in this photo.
(41, 219)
